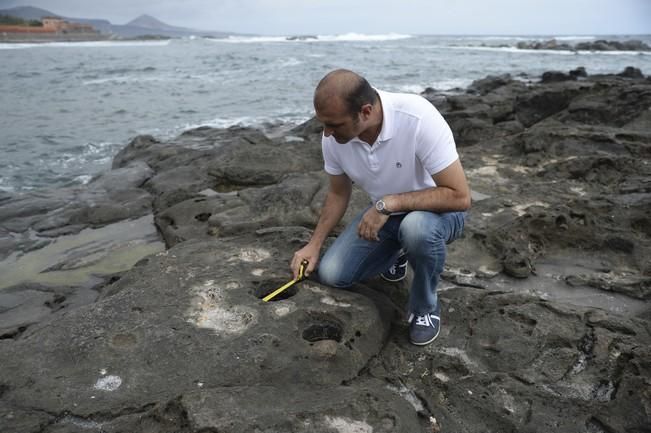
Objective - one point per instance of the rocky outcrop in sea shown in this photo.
(134, 303)
(596, 45)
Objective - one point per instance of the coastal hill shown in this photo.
(148, 22)
(143, 25)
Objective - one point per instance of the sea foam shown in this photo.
(347, 37)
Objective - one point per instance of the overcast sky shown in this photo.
(318, 17)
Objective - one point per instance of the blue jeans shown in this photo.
(421, 235)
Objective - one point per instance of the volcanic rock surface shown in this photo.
(596, 45)
(134, 304)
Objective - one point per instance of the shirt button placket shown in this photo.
(372, 160)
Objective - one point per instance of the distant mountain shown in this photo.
(153, 26)
(149, 22)
(28, 13)
(144, 25)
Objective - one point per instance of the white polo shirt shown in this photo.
(415, 142)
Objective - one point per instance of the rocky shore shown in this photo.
(597, 45)
(133, 304)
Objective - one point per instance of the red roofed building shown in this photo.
(51, 25)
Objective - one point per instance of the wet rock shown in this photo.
(637, 287)
(608, 105)
(295, 201)
(597, 45)
(110, 197)
(551, 44)
(23, 420)
(490, 83)
(631, 72)
(468, 130)
(21, 211)
(22, 307)
(4, 195)
(439, 100)
(543, 362)
(241, 166)
(517, 264)
(57, 246)
(603, 45)
(474, 118)
(82, 260)
(579, 72)
(175, 185)
(541, 103)
(341, 409)
(545, 296)
(309, 129)
(556, 76)
(180, 313)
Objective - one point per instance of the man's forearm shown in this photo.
(436, 199)
(333, 210)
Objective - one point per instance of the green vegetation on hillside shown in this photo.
(15, 21)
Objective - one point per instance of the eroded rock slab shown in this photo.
(57, 248)
(179, 320)
(545, 298)
(507, 362)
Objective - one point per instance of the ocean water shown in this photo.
(67, 108)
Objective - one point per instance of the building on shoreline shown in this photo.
(58, 25)
(53, 29)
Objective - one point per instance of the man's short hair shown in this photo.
(352, 88)
(360, 94)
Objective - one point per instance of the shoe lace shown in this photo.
(423, 320)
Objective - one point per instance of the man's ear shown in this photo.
(367, 109)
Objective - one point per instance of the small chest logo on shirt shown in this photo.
(398, 164)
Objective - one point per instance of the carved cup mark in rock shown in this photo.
(266, 287)
(209, 310)
(342, 424)
(108, 383)
(329, 300)
(124, 341)
(203, 217)
(283, 310)
(254, 255)
(323, 329)
(3, 389)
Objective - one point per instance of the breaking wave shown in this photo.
(347, 37)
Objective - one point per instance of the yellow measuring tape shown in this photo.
(301, 275)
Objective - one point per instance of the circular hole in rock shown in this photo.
(3, 389)
(267, 287)
(124, 340)
(323, 330)
(203, 217)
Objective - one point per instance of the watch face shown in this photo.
(379, 206)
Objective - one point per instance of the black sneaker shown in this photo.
(397, 271)
(423, 329)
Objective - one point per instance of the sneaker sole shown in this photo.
(393, 280)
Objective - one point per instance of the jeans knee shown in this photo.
(419, 229)
(331, 273)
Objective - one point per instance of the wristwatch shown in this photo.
(381, 207)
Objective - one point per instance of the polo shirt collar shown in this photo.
(387, 116)
(387, 119)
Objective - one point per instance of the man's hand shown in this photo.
(310, 253)
(370, 225)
